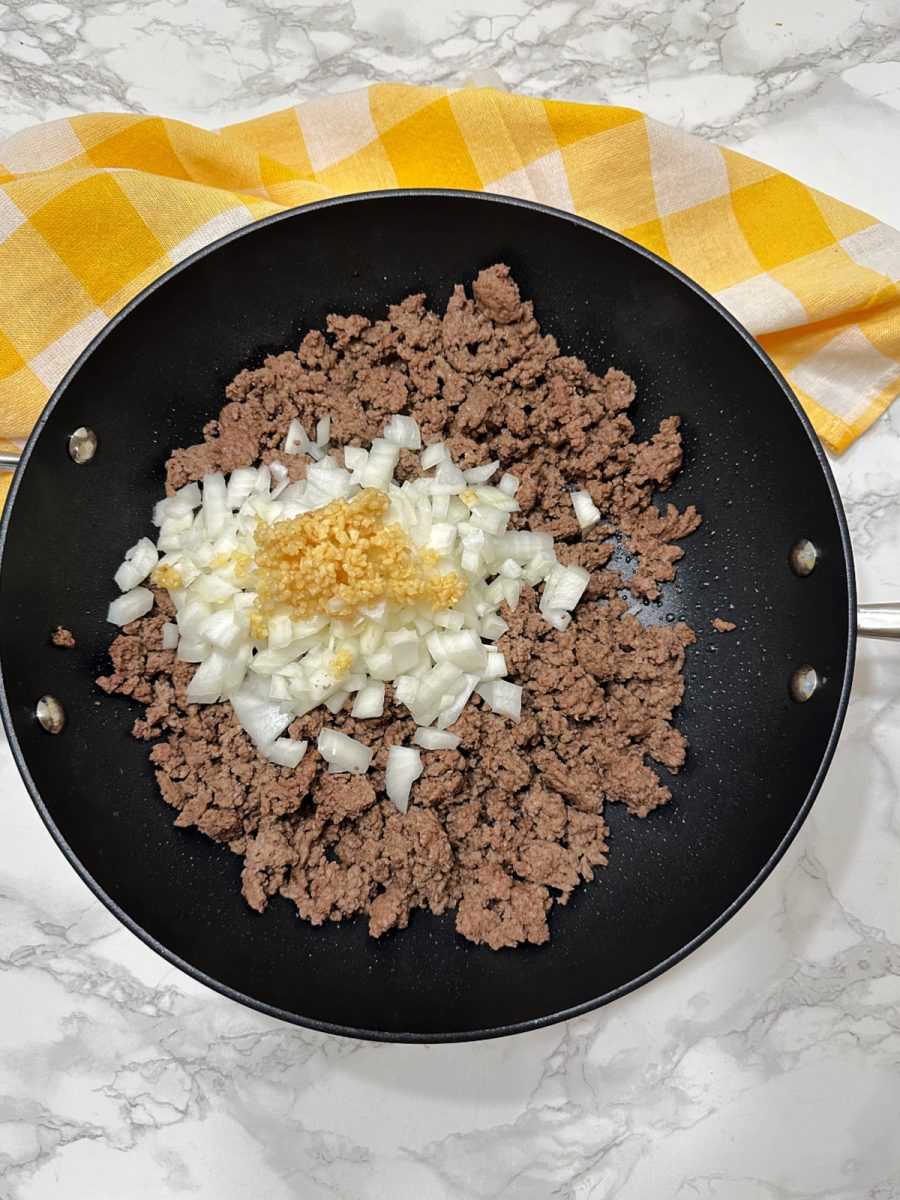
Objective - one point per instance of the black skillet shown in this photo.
(752, 465)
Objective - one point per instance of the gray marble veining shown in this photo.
(767, 1066)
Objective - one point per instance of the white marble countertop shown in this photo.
(765, 1066)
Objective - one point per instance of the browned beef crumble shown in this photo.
(62, 637)
(720, 625)
(513, 819)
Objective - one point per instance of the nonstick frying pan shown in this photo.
(752, 466)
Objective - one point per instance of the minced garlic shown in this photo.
(337, 558)
(445, 590)
(167, 577)
(341, 663)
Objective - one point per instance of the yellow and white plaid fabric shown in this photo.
(95, 207)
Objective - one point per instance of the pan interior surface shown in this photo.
(751, 467)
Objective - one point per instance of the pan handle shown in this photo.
(872, 621)
(878, 621)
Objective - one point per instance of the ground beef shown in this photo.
(62, 637)
(720, 625)
(513, 820)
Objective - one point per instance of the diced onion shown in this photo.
(380, 465)
(139, 562)
(344, 753)
(355, 458)
(240, 485)
(275, 669)
(587, 514)
(435, 739)
(481, 474)
(259, 718)
(563, 588)
(218, 674)
(134, 604)
(493, 627)
(214, 505)
(495, 667)
(285, 752)
(502, 697)
(432, 455)
(297, 441)
(369, 701)
(403, 431)
(404, 766)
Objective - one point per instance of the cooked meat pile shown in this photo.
(513, 819)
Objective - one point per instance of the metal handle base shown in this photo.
(879, 621)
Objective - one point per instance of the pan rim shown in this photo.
(689, 947)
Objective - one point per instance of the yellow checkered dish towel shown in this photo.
(94, 207)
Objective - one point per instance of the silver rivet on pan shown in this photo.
(803, 557)
(803, 683)
(82, 445)
(50, 714)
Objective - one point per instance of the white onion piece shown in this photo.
(281, 632)
(404, 766)
(189, 494)
(169, 635)
(130, 606)
(223, 629)
(493, 627)
(481, 474)
(215, 677)
(455, 703)
(369, 701)
(502, 697)
(563, 588)
(432, 455)
(557, 618)
(435, 739)
(260, 719)
(405, 689)
(323, 432)
(403, 648)
(214, 589)
(355, 458)
(296, 441)
(214, 503)
(491, 520)
(285, 752)
(336, 701)
(282, 479)
(343, 752)
(461, 647)
(495, 668)
(139, 562)
(380, 465)
(448, 478)
(240, 485)
(404, 432)
(587, 514)
(192, 650)
(440, 507)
